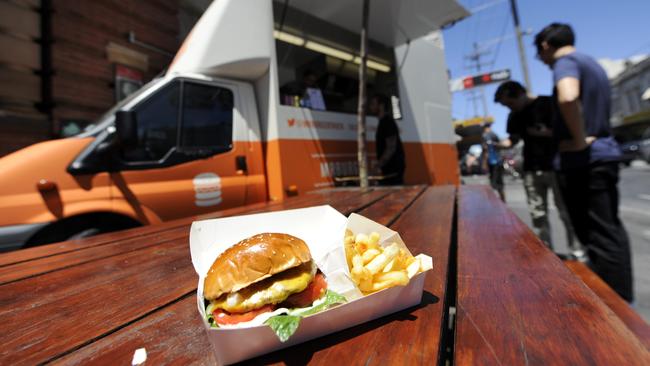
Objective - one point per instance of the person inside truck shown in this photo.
(304, 93)
(390, 152)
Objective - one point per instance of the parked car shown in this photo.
(644, 150)
(513, 163)
(630, 151)
(470, 163)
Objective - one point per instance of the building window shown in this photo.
(632, 101)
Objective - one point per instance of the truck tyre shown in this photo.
(80, 227)
(86, 233)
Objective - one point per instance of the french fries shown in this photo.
(369, 255)
(389, 279)
(373, 267)
(380, 261)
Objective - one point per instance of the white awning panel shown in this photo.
(234, 38)
(392, 22)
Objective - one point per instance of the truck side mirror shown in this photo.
(126, 125)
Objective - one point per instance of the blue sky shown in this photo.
(604, 29)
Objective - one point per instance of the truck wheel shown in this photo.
(78, 228)
(86, 233)
(59, 233)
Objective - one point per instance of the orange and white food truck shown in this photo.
(258, 103)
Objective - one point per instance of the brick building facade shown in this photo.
(62, 59)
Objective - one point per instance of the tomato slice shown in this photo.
(314, 291)
(225, 318)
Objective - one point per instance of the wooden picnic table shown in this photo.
(99, 299)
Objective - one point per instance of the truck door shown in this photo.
(185, 161)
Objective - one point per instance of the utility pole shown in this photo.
(475, 57)
(473, 97)
(362, 157)
(520, 43)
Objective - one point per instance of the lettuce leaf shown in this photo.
(209, 317)
(331, 298)
(285, 326)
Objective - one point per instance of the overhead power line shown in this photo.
(500, 41)
(485, 6)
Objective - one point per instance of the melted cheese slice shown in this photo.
(272, 290)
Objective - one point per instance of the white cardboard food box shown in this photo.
(323, 229)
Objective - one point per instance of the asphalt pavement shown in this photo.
(634, 210)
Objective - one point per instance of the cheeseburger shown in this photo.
(260, 274)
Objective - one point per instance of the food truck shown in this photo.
(258, 104)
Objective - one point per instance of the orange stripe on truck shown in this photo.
(312, 164)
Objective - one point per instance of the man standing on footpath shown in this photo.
(588, 155)
(390, 152)
(530, 119)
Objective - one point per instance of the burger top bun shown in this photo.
(252, 260)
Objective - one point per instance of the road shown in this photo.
(634, 209)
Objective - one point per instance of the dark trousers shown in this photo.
(591, 198)
(394, 179)
(496, 179)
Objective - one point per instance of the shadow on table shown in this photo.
(301, 354)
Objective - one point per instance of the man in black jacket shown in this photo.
(531, 120)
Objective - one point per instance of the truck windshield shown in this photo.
(107, 118)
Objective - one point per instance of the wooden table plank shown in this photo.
(24, 255)
(140, 232)
(387, 210)
(518, 304)
(614, 301)
(47, 315)
(174, 334)
(80, 251)
(51, 263)
(116, 243)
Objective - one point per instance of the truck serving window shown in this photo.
(157, 125)
(318, 63)
(305, 75)
(207, 117)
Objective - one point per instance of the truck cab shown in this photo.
(183, 145)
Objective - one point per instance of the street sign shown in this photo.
(469, 82)
(476, 121)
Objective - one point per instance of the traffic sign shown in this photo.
(469, 82)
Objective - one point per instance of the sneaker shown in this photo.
(580, 255)
(564, 257)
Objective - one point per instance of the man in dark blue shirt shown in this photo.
(588, 155)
